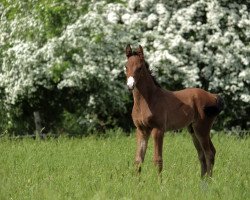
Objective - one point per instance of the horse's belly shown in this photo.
(177, 126)
(180, 119)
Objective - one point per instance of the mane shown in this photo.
(153, 77)
(149, 71)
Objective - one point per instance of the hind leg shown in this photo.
(202, 133)
(200, 152)
(212, 148)
(209, 155)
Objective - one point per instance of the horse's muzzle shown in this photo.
(131, 88)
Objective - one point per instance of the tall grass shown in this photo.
(102, 168)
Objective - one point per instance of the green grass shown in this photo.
(102, 168)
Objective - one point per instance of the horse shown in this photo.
(157, 110)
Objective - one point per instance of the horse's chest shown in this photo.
(142, 117)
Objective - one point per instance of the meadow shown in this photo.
(102, 167)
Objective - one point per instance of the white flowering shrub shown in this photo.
(68, 57)
(72, 72)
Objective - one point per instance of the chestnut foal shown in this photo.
(157, 110)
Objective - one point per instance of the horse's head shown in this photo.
(134, 66)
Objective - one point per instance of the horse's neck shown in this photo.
(144, 90)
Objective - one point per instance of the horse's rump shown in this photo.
(214, 110)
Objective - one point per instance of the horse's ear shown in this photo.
(128, 51)
(140, 52)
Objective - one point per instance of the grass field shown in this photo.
(102, 168)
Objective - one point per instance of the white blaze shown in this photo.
(130, 82)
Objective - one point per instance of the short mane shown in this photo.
(153, 77)
(149, 71)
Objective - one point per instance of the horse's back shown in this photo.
(196, 94)
(205, 103)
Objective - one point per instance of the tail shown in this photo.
(212, 111)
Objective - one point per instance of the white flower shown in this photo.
(146, 3)
(132, 4)
(170, 57)
(245, 98)
(160, 9)
(126, 18)
(112, 17)
(152, 19)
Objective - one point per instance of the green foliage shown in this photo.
(102, 168)
(55, 15)
(57, 71)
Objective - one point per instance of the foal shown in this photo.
(157, 110)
